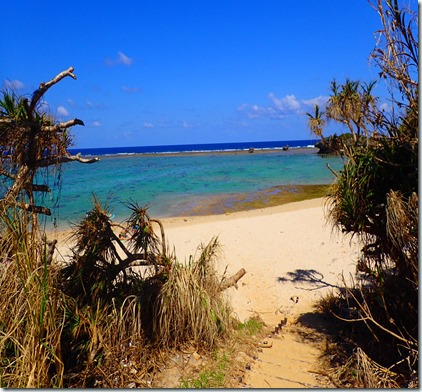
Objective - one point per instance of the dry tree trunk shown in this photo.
(40, 135)
(232, 281)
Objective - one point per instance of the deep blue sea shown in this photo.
(172, 183)
(180, 148)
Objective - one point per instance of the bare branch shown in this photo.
(7, 174)
(51, 248)
(163, 236)
(63, 125)
(332, 170)
(367, 316)
(232, 281)
(42, 89)
(64, 159)
(36, 209)
(40, 188)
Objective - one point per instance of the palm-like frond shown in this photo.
(316, 121)
(141, 225)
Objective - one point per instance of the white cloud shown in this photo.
(186, 124)
(130, 90)
(14, 84)
(287, 104)
(96, 123)
(62, 111)
(148, 124)
(121, 59)
(281, 107)
(320, 101)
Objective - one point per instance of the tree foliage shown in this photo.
(104, 263)
(316, 121)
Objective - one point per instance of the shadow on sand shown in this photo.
(311, 276)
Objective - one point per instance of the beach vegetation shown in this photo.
(102, 264)
(375, 198)
(225, 368)
(96, 322)
(67, 325)
(213, 377)
(334, 144)
(189, 306)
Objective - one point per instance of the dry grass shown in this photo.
(31, 312)
(364, 353)
(361, 372)
(190, 306)
(50, 339)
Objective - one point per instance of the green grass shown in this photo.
(214, 377)
(251, 327)
(217, 374)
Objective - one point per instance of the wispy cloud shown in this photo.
(148, 124)
(92, 105)
(130, 90)
(14, 84)
(186, 124)
(120, 59)
(62, 111)
(96, 123)
(320, 101)
(123, 59)
(256, 111)
(84, 105)
(280, 107)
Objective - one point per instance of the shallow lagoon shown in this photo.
(186, 184)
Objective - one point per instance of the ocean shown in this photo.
(182, 180)
(181, 148)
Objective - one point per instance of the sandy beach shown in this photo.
(288, 251)
(292, 258)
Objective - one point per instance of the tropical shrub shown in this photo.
(375, 195)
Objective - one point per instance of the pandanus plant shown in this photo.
(104, 262)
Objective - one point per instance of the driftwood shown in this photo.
(50, 250)
(232, 281)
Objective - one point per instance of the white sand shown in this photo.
(275, 246)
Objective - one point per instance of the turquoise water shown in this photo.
(174, 184)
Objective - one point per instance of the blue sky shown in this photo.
(186, 71)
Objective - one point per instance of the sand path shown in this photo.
(292, 258)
